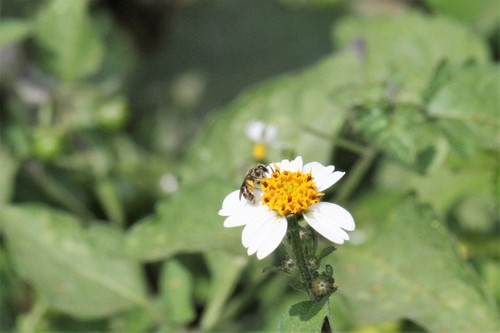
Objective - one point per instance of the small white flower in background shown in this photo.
(169, 183)
(262, 135)
(259, 131)
(288, 188)
(32, 93)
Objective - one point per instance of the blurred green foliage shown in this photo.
(121, 132)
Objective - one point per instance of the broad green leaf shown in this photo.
(225, 270)
(13, 30)
(411, 269)
(107, 238)
(308, 109)
(467, 108)
(401, 132)
(275, 297)
(136, 320)
(282, 310)
(176, 286)
(403, 51)
(52, 253)
(483, 14)
(69, 41)
(444, 186)
(491, 272)
(477, 214)
(306, 316)
(186, 222)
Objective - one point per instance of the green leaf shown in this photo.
(404, 51)
(13, 30)
(107, 194)
(225, 271)
(306, 316)
(411, 269)
(491, 272)
(176, 286)
(308, 109)
(482, 14)
(477, 214)
(443, 187)
(136, 320)
(66, 34)
(467, 108)
(401, 132)
(186, 222)
(52, 253)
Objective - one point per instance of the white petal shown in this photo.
(252, 228)
(269, 237)
(324, 177)
(271, 168)
(238, 220)
(232, 204)
(254, 240)
(319, 171)
(274, 238)
(244, 214)
(312, 166)
(295, 165)
(270, 134)
(337, 214)
(329, 219)
(327, 180)
(283, 165)
(254, 130)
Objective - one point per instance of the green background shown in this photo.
(122, 129)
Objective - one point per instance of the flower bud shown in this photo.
(289, 266)
(323, 285)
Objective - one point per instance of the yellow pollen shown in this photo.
(289, 192)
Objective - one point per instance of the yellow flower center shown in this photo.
(289, 192)
(259, 151)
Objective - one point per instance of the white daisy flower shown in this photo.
(262, 135)
(288, 188)
(259, 131)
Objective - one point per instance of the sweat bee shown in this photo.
(251, 181)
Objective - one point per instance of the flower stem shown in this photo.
(357, 173)
(298, 253)
(29, 323)
(55, 191)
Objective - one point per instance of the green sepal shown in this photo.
(326, 251)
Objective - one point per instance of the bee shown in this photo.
(251, 181)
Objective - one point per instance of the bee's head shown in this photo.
(261, 170)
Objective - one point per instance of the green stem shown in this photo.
(108, 197)
(349, 145)
(237, 305)
(356, 174)
(298, 253)
(55, 191)
(30, 322)
(338, 141)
